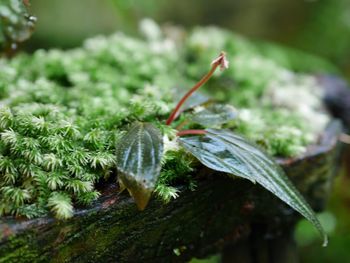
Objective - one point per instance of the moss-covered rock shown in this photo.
(220, 212)
(62, 112)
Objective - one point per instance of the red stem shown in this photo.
(191, 132)
(173, 115)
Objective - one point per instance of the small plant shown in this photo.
(140, 151)
(63, 116)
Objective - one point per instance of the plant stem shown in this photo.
(344, 138)
(191, 132)
(217, 62)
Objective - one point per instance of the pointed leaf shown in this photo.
(214, 114)
(139, 153)
(225, 151)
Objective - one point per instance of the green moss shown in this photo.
(22, 250)
(279, 108)
(62, 112)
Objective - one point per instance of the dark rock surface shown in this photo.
(219, 213)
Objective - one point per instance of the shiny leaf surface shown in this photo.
(139, 153)
(225, 151)
(214, 114)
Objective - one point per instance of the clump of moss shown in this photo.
(63, 112)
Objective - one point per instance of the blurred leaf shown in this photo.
(16, 25)
(214, 114)
(131, 11)
(139, 153)
(212, 259)
(305, 235)
(194, 100)
(225, 151)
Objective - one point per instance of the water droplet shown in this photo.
(14, 46)
(33, 19)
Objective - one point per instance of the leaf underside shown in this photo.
(139, 154)
(224, 151)
(195, 100)
(214, 114)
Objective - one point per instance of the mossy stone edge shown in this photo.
(221, 211)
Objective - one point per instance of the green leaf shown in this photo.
(195, 100)
(214, 114)
(139, 154)
(225, 151)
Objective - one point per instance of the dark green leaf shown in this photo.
(225, 151)
(214, 114)
(139, 153)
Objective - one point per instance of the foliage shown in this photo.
(140, 151)
(64, 112)
(61, 115)
(16, 25)
(139, 154)
(328, 26)
(224, 151)
(214, 114)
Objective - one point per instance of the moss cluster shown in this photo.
(62, 112)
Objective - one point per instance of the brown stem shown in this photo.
(344, 138)
(220, 61)
(191, 132)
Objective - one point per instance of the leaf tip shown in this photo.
(122, 187)
(138, 191)
(325, 240)
(141, 197)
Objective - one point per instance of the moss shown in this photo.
(62, 112)
(22, 250)
(263, 86)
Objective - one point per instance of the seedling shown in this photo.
(140, 151)
(219, 61)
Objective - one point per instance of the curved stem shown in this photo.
(219, 61)
(189, 93)
(344, 138)
(191, 132)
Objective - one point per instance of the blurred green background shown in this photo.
(321, 27)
